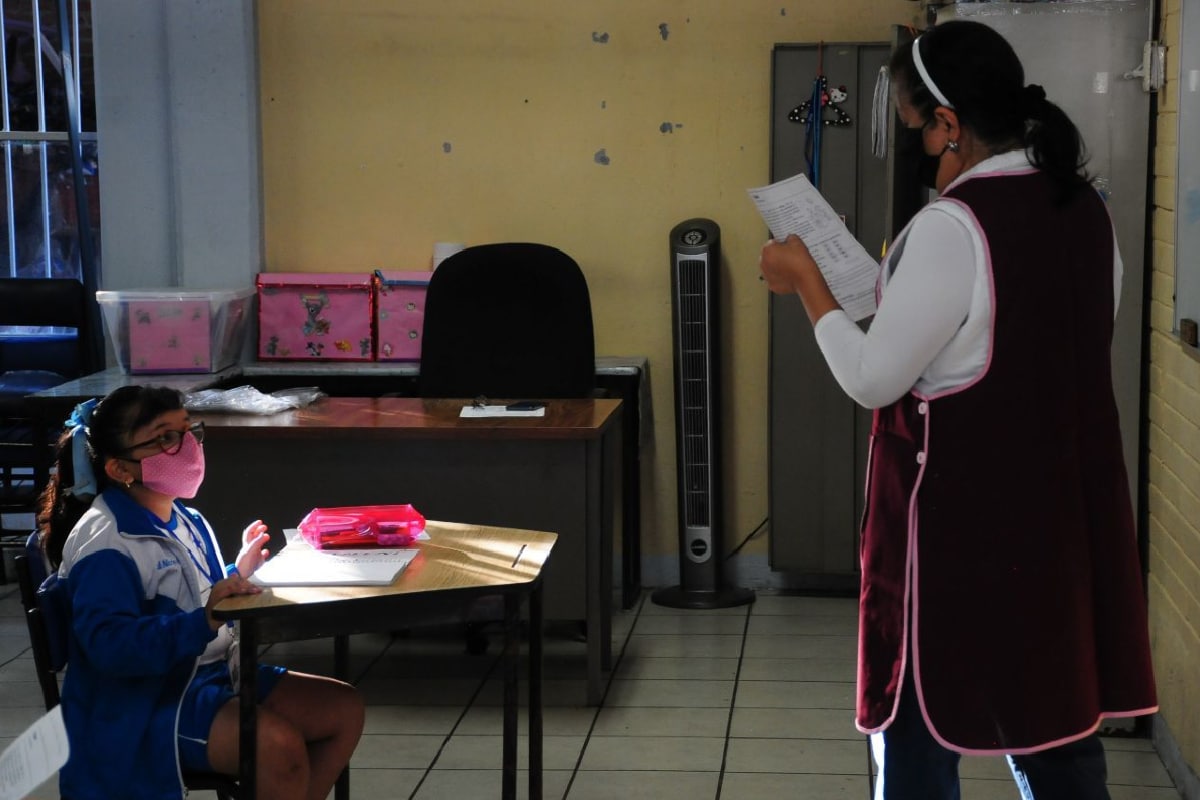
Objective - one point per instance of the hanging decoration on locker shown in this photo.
(881, 113)
(812, 115)
(830, 100)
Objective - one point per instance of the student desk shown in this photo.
(560, 473)
(458, 564)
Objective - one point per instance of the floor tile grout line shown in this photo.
(587, 738)
(733, 701)
(458, 721)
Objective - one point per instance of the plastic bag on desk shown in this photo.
(362, 526)
(248, 400)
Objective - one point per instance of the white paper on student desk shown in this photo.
(794, 206)
(300, 564)
(34, 756)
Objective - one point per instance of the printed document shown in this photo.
(795, 206)
(300, 564)
(34, 756)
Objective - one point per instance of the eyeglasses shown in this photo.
(170, 442)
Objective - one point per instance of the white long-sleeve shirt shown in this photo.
(932, 331)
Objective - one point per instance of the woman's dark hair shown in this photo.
(977, 70)
(115, 417)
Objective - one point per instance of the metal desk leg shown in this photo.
(602, 462)
(610, 463)
(248, 710)
(341, 671)
(512, 654)
(535, 691)
(631, 493)
(593, 581)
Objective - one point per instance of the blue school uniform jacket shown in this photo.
(137, 630)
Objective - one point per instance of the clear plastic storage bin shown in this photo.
(176, 330)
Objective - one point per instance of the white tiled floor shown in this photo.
(736, 704)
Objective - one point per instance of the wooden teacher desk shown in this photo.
(458, 563)
(559, 473)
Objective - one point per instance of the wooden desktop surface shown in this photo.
(414, 417)
(456, 557)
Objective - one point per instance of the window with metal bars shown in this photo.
(49, 169)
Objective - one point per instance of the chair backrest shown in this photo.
(31, 573)
(45, 303)
(511, 320)
(30, 364)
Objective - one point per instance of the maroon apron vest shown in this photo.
(999, 552)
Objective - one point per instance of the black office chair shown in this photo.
(29, 364)
(511, 320)
(506, 321)
(48, 625)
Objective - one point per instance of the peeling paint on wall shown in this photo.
(604, 104)
(446, 148)
(601, 157)
(600, 38)
(663, 31)
(783, 12)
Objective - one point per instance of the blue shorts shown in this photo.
(208, 692)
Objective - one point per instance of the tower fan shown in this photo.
(695, 258)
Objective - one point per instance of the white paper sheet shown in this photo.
(500, 411)
(34, 756)
(794, 206)
(300, 564)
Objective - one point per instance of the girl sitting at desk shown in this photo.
(149, 692)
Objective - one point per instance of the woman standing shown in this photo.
(1002, 608)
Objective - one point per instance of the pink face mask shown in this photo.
(178, 475)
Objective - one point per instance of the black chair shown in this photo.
(31, 363)
(506, 321)
(510, 320)
(47, 619)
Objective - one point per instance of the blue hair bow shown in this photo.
(77, 424)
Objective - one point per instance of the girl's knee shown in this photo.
(352, 710)
(282, 751)
(344, 701)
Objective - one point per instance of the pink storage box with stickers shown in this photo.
(399, 314)
(174, 330)
(315, 316)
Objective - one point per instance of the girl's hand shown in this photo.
(254, 548)
(229, 587)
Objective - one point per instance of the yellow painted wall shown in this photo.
(1174, 444)
(388, 125)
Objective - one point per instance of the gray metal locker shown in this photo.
(818, 436)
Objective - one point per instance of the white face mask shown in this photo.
(176, 475)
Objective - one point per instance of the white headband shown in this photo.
(928, 81)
